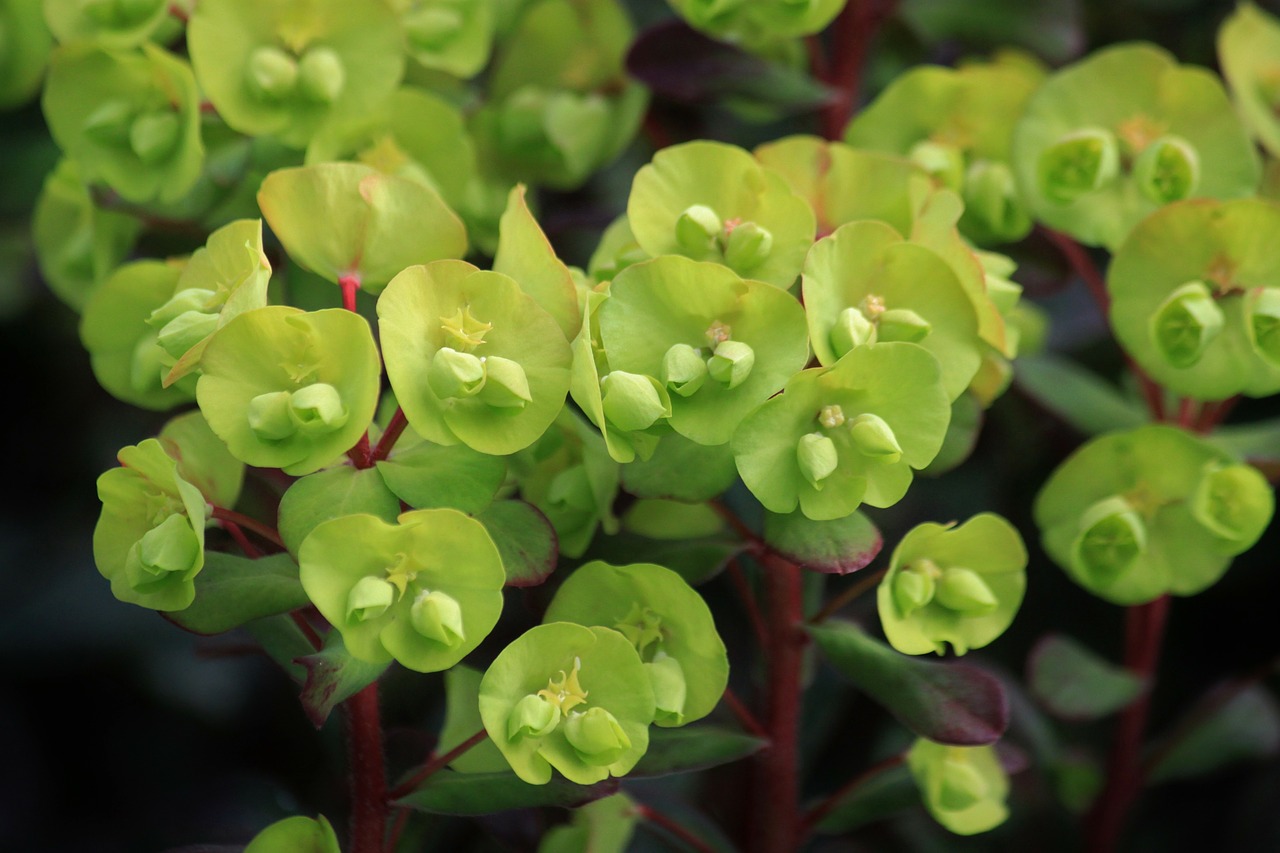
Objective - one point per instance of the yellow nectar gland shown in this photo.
(1138, 132)
(718, 333)
(831, 417)
(872, 306)
(566, 693)
(463, 331)
(399, 573)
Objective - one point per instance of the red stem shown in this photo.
(369, 805)
(744, 715)
(361, 455)
(847, 597)
(349, 284)
(307, 629)
(776, 812)
(851, 37)
(1187, 414)
(241, 520)
(822, 809)
(739, 580)
(1144, 632)
(669, 825)
(437, 763)
(250, 550)
(390, 436)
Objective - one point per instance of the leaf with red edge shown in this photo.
(836, 547)
(333, 676)
(525, 539)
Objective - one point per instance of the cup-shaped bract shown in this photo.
(758, 23)
(666, 620)
(425, 591)
(953, 586)
(565, 696)
(78, 244)
(883, 409)
(963, 787)
(296, 835)
(443, 320)
(865, 283)
(667, 316)
(149, 540)
(1249, 53)
(694, 197)
(350, 220)
(1190, 290)
(110, 23)
(1079, 159)
(1134, 515)
(203, 459)
(278, 68)
(129, 118)
(453, 36)
(24, 51)
(123, 348)
(286, 388)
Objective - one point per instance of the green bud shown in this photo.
(455, 374)
(875, 438)
(748, 246)
(1112, 538)
(683, 370)
(185, 331)
(1262, 310)
(961, 785)
(942, 161)
(914, 586)
(190, 299)
(631, 401)
(1233, 501)
(520, 120)
(533, 716)
(964, 591)
(110, 124)
(270, 416)
(321, 76)
(596, 736)
(991, 193)
(506, 385)
(369, 598)
(438, 616)
(432, 26)
(318, 409)
(153, 136)
(1186, 323)
(272, 72)
(572, 488)
(1167, 170)
(148, 365)
(170, 546)
(1079, 163)
(731, 363)
(817, 456)
(669, 688)
(697, 229)
(902, 324)
(852, 329)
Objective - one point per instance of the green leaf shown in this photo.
(1245, 728)
(453, 793)
(1258, 441)
(839, 546)
(462, 720)
(1247, 46)
(25, 52)
(1075, 684)
(203, 460)
(656, 518)
(962, 432)
(884, 794)
(337, 492)
(950, 703)
(231, 591)
(681, 469)
(1077, 396)
(426, 475)
(333, 676)
(694, 748)
(282, 641)
(603, 826)
(525, 539)
(525, 254)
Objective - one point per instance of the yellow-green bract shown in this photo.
(963, 787)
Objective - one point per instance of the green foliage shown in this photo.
(296, 835)
(963, 787)
(1076, 684)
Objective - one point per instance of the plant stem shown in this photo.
(744, 715)
(679, 830)
(739, 580)
(847, 597)
(241, 520)
(436, 763)
(822, 809)
(390, 436)
(851, 37)
(776, 809)
(349, 284)
(250, 550)
(1144, 633)
(369, 805)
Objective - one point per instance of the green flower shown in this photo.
(666, 620)
(960, 586)
(296, 835)
(1248, 44)
(110, 23)
(25, 44)
(963, 787)
(149, 540)
(758, 23)
(573, 698)
(453, 36)
(424, 591)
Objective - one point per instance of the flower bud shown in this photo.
(748, 246)
(960, 784)
(189, 299)
(1112, 538)
(683, 370)
(817, 456)
(432, 27)
(110, 124)
(269, 416)
(697, 229)
(597, 736)
(170, 546)
(875, 438)
(317, 408)
(964, 591)
(852, 329)
(505, 384)
(533, 716)
(914, 586)
(369, 598)
(731, 363)
(321, 76)
(1233, 501)
(154, 135)
(669, 688)
(632, 401)
(991, 194)
(521, 117)
(1079, 163)
(1262, 313)
(902, 324)
(1186, 323)
(272, 73)
(455, 374)
(437, 616)
(943, 162)
(1167, 170)
(185, 331)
